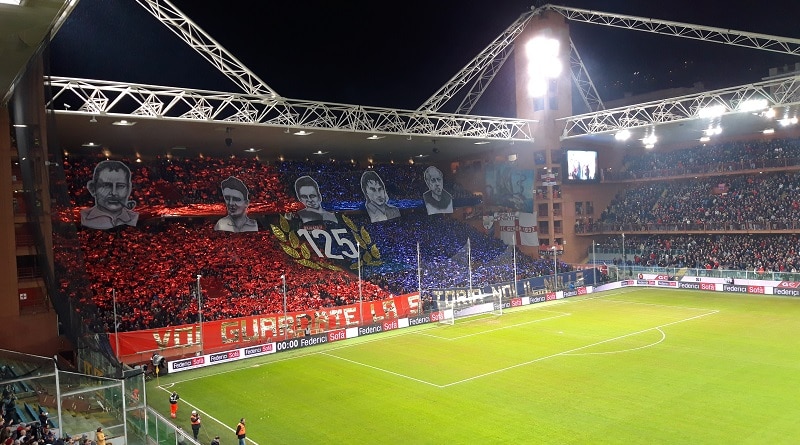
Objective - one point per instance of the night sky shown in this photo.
(398, 54)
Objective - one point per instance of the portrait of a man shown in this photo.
(308, 193)
(377, 201)
(437, 199)
(237, 198)
(111, 188)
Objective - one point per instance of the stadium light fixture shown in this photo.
(705, 138)
(769, 131)
(302, 133)
(769, 113)
(622, 135)
(11, 2)
(711, 111)
(753, 105)
(785, 122)
(543, 64)
(650, 140)
(123, 123)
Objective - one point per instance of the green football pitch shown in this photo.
(634, 366)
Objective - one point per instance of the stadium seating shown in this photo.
(150, 270)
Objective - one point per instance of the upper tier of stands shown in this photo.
(709, 158)
(767, 201)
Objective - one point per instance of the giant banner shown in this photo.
(259, 329)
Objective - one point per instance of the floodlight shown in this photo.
(650, 140)
(622, 135)
(542, 47)
(711, 111)
(705, 139)
(769, 131)
(537, 87)
(787, 121)
(769, 113)
(543, 64)
(753, 105)
(551, 68)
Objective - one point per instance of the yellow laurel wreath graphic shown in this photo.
(278, 232)
(300, 252)
(370, 255)
(295, 248)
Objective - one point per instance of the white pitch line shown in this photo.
(497, 371)
(563, 314)
(663, 337)
(207, 415)
(381, 369)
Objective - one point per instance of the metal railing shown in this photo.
(624, 272)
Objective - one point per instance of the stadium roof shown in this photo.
(156, 56)
(24, 27)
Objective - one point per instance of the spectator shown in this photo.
(100, 436)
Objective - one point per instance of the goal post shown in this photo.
(497, 303)
(469, 304)
(447, 316)
(447, 313)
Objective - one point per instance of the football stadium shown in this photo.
(204, 259)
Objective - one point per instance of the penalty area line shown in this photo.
(571, 351)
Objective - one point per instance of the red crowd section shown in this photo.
(152, 275)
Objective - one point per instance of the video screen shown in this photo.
(581, 166)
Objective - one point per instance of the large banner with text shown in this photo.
(258, 329)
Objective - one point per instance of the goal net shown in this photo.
(466, 278)
(447, 314)
(468, 303)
